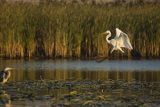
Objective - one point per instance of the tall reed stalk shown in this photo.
(62, 31)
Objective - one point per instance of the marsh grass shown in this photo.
(62, 31)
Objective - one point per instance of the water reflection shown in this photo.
(142, 70)
(5, 99)
(79, 75)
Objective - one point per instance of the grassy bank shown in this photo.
(58, 30)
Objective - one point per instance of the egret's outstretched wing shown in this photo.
(118, 32)
(124, 41)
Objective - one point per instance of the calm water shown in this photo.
(140, 70)
(147, 70)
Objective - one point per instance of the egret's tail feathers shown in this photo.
(136, 54)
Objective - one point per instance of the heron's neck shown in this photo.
(8, 74)
(109, 35)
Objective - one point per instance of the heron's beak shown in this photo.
(12, 69)
(9, 69)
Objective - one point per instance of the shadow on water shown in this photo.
(58, 80)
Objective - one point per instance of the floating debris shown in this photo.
(85, 93)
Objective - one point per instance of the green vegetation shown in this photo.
(58, 30)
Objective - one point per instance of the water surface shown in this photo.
(67, 70)
(76, 69)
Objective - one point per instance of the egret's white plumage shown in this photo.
(120, 40)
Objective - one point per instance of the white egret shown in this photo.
(120, 40)
(5, 74)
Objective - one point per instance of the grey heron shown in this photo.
(5, 75)
(120, 40)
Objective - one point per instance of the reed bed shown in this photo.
(73, 31)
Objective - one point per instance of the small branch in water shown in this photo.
(43, 80)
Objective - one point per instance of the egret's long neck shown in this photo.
(109, 35)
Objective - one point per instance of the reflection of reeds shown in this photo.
(58, 30)
(83, 75)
